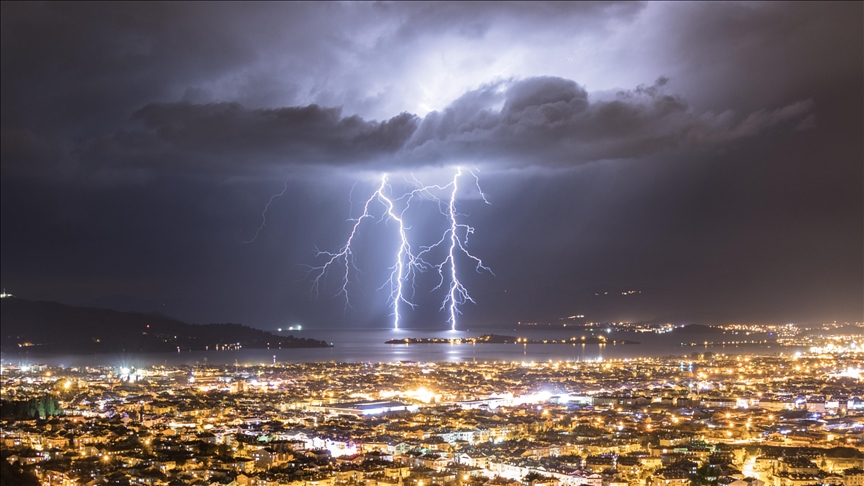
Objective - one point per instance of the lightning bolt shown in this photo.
(344, 254)
(406, 264)
(264, 214)
(404, 269)
(457, 294)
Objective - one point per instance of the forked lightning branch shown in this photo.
(409, 260)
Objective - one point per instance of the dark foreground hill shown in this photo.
(52, 328)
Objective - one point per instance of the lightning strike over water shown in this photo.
(407, 265)
(457, 294)
(406, 262)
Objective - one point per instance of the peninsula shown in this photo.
(46, 328)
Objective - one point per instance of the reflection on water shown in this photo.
(368, 346)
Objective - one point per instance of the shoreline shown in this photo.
(501, 339)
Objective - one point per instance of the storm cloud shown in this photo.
(706, 153)
(184, 137)
(547, 121)
(535, 122)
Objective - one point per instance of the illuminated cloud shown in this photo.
(546, 121)
(539, 121)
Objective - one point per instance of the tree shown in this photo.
(16, 475)
(42, 407)
(533, 476)
(706, 475)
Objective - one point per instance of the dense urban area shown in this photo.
(701, 418)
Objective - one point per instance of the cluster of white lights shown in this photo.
(832, 348)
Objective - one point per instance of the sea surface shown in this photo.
(367, 345)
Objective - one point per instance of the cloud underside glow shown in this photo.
(538, 121)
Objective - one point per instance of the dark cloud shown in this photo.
(541, 121)
(228, 133)
(550, 121)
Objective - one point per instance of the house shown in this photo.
(629, 465)
(794, 479)
(747, 482)
(853, 477)
(432, 461)
(669, 476)
(473, 459)
(719, 402)
(599, 464)
(350, 475)
(843, 458)
(267, 457)
(397, 472)
(797, 465)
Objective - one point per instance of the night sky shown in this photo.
(707, 155)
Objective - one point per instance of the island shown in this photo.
(499, 339)
(50, 328)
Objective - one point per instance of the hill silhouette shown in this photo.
(51, 328)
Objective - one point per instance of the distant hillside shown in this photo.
(175, 308)
(52, 328)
